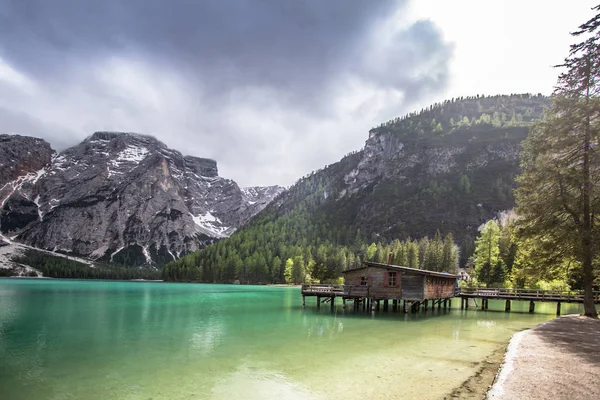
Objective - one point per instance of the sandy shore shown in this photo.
(478, 384)
(559, 359)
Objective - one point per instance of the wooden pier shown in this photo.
(531, 295)
(365, 299)
(373, 299)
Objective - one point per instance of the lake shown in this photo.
(74, 339)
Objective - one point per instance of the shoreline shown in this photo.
(533, 366)
(477, 385)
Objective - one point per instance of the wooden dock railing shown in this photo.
(325, 290)
(526, 294)
(322, 289)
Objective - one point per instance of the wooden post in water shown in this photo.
(376, 307)
(404, 306)
(426, 304)
(394, 305)
(318, 301)
(385, 305)
(343, 302)
(507, 306)
(462, 303)
(439, 304)
(531, 306)
(558, 308)
(332, 303)
(467, 303)
(449, 303)
(303, 301)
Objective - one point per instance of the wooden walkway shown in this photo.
(360, 295)
(531, 295)
(363, 297)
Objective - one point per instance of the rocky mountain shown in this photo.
(449, 167)
(119, 197)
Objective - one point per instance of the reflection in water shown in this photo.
(137, 340)
(207, 336)
(9, 309)
(486, 323)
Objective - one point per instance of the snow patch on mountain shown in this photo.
(211, 224)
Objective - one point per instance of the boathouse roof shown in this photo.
(391, 267)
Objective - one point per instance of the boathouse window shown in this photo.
(363, 281)
(392, 279)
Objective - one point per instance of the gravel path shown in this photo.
(559, 359)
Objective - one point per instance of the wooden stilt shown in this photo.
(466, 303)
(507, 306)
(394, 305)
(439, 304)
(377, 306)
(332, 303)
(558, 308)
(426, 304)
(531, 306)
(318, 301)
(385, 304)
(462, 303)
(449, 303)
(404, 306)
(343, 303)
(303, 301)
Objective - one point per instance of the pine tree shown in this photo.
(448, 260)
(498, 273)
(487, 251)
(559, 194)
(413, 254)
(289, 265)
(298, 270)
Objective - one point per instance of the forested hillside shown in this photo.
(449, 167)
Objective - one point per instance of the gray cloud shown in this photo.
(271, 89)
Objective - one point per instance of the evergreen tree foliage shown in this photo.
(487, 252)
(559, 194)
(61, 267)
(289, 268)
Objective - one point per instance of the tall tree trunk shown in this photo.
(586, 239)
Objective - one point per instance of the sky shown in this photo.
(270, 89)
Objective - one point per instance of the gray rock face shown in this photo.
(386, 157)
(129, 199)
(20, 155)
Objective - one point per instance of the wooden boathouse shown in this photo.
(372, 283)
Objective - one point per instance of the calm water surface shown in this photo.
(68, 339)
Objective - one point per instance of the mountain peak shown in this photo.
(119, 196)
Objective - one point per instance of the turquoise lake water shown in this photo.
(70, 339)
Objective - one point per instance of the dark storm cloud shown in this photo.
(268, 87)
(287, 44)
